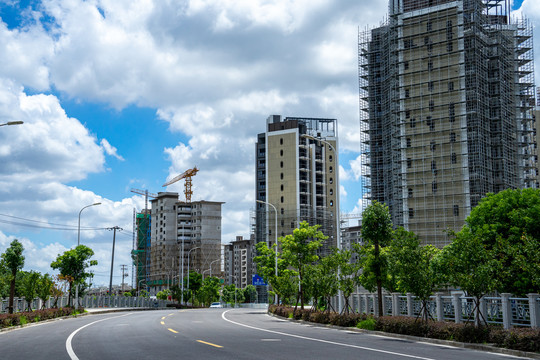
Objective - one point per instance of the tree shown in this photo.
(415, 266)
(250, 294)
(377, 232)
(504, 223)
(468, 264)
(347, 276)
(163, 294)
(266, 266)
(30, 285)
(209, 291)
(13, 261)
(73, 264)
(44, 288)
(195, 283)
(300, 250)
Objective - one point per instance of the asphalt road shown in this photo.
(210, 334)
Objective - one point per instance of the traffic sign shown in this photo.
(256, 280)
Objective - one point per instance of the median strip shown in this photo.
(207, 343)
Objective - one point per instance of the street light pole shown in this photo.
(338, 224)
(275, 231)
(13, 123)
(78, 236)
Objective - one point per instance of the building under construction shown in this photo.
(141, 246)
(183, 230)
(446, 98)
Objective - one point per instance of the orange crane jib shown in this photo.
(185, 175)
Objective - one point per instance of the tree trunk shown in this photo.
(12, 292)
(69, 293)
(379, 280)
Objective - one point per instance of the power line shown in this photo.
(52, 226)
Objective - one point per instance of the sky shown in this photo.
(122, 94)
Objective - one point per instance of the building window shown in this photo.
(434, 166)
(451, 112)
(411, 212)
(409, 163)
(330, 158)
(431, 105)
(430, 123)
(281, 176)
(331, 191)
(430, 66)
(407, 114)
(449, 46)
(452, 137)
(280, 141)
(331, 202)
(454, 158)
(281, 152)
(456, 210)
(410, 193)
(330, 169)
(281, 164)
(407, 93)
(282, 211)
(434, 187)
(281, 187)
(282, 222)
(432, 146)
(429, 26)
(430, 85)
(408, 142)
(282, 199)
(406, 65)
(413, 122)
(450, 86)
(331, 181)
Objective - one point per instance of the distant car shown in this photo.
(216, 305)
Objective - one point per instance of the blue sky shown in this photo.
(121, 94)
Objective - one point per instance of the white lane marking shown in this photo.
(69, 348)
(323, 341)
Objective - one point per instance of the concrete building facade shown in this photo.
(180, 230)
(238, 258)
(447, 96)
(298, 176)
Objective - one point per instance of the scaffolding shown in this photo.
(446, 100)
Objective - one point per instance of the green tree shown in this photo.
(13, 261)
(377, 232)
(164, 294)
(209, 291)
(468, 264)
(195, 283)
(528, 257)
(30, 286)
(250, 294)
(416, 267)
(347, 276)
(232, 295)
(500, 222)
(300, 250)
(326, 280)
(266, 266)
(73, 265)
(44, 289)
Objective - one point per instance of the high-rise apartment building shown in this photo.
(189, 228)
(447, 96)
(238, 259)
(297, 175)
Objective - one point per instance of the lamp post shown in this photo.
(275, 231)
(12, 123)
(188, 257)
(338, 227)
(78, 237)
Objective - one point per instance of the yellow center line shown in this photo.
(174, 331)
(170, 314)
(162, 323)
(163, 318)
(207, 343)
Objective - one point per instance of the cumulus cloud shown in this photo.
(110, 150)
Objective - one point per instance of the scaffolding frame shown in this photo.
(446, 100)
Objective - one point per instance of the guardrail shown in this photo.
(504, 310)
(88, 301)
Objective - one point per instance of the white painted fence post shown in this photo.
(439, 306)
(534, 310)
(506, 310)
(456, 301)
(409, 304)
(395, 304)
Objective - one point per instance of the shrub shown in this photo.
(367, 324)
(22, 318)
(320, 317)
(524, 339)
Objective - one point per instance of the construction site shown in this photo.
(175, 237)
(446, 110)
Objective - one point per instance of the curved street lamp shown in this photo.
(13, 123)
(275, 231)
(78, 243)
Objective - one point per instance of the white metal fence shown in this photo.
(88, 301)
(505, 310)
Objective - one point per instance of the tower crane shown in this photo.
(146, 195)
(185, 175)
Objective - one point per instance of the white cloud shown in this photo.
(110, 150)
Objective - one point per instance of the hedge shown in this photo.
(21, 318)
(523, 339)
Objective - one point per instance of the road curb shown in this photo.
(100, 311)
(481, 347)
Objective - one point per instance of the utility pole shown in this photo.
(112, 257)
(124, 268)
